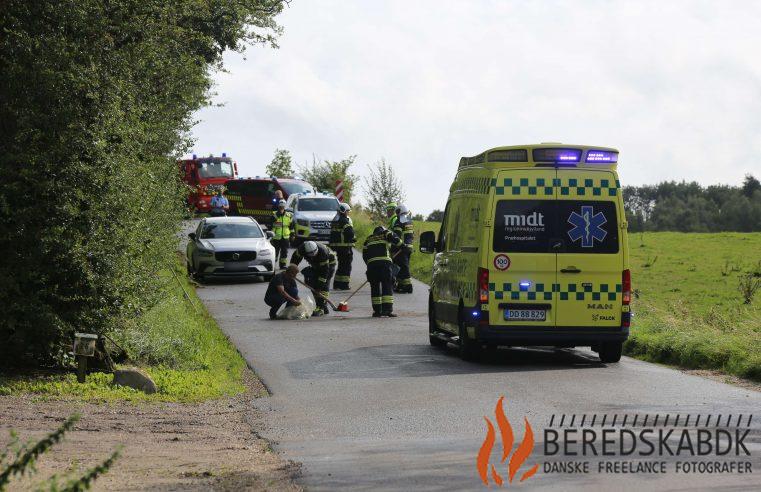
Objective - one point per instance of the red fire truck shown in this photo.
(204, 175)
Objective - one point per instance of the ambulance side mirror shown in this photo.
(428, 242)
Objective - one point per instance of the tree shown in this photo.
(90, 196)
(382, 187)
(280, 166)
(435, 216)
(324, 174)
(750, 185)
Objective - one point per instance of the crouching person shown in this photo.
(282, 289)
(376, 255)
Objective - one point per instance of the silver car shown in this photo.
(230, 247)
(313, 213)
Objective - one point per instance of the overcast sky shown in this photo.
(675, 86)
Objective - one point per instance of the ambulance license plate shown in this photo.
(525, 314)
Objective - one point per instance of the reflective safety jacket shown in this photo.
(406, 232)
(342, 232)
(392, 222)
(282, 224)
(377, 246)
(322, 261)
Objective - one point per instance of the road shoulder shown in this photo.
(214, 444)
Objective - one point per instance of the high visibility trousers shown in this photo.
(402, 260)
(343, 272)
(281, 250)
(381, 286)
(319, 279)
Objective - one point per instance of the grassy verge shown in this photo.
(688, 308)
(179, 346)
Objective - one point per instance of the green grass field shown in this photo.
(688, 309)
(179, 346)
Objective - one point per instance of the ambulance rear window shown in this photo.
(534, 226)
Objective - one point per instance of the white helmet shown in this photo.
(310, 248)
(402, 209)
(281, 203)
(343, 208)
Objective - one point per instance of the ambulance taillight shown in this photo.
(626, 295)
(483, 285)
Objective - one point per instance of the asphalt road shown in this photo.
(367, 404)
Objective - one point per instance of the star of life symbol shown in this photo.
(587, 226)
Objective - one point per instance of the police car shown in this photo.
(312, 213)
(532, 251)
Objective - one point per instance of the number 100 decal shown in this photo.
(501, 262)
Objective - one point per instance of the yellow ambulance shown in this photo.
(532, 251)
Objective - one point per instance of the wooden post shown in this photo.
(81, 368)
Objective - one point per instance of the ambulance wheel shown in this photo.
(610, 351)
(432, 329)
(470, 349)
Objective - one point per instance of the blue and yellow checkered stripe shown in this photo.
(587, 187)
(524, 186)
(565, 292)
(565, 187)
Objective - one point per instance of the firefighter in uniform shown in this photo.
(375, 252)
(322, 265)
(282, 227)
(342, 242)
(403, 228)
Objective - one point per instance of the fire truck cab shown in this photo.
(204, 175)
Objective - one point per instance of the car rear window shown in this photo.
(534, 226)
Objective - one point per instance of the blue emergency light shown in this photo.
(556, 155)
(602, 156)
(524, 285)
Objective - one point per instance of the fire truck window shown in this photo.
(215, 169)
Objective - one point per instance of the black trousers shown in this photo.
(345, 256)
(276, 300)
(381, 286)
(402, 260)
(319, 280)
(281, 250)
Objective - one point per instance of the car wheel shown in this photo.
(432, 329)
(610, 351)
(470, 349)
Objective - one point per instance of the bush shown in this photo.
(97, 99)
(324, 174)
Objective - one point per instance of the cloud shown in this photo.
(675, 85)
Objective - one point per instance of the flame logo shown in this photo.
(487, 471)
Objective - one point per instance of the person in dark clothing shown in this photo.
(404, 229)
(342, 242)
(282, 289)
(322, 261)
(375, 252)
